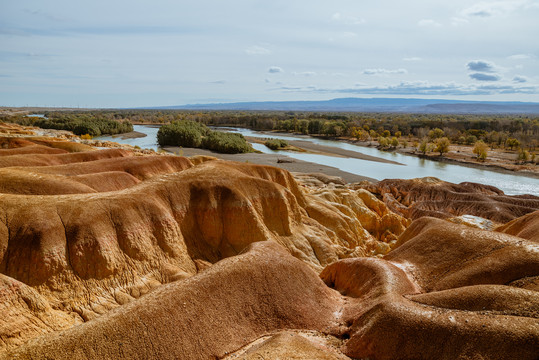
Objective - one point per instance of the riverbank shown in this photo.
(498, 160)
(129, 135)
(280, 161)
(318, 149)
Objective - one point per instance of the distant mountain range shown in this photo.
(376, 105)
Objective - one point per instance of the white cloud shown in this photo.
(257, 50)
(520, 79)
(458, 21)
(304, 73)
(275, 70)
(384, 71)
(346, 19)
(428, 23)
(520, 57)
(496, 8)
(412, 59)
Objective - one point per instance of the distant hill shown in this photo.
(376, 105)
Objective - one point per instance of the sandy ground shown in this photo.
(313, 148)
(287, 163)
(130, 135)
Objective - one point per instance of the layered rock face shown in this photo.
(417, 303)
(447, 292)
(433, 197)
(82, 233)
(526, 227)
(105, 254)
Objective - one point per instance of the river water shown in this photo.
(413, 167)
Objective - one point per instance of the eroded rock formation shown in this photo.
(417, 303)
(104, 254)
(82, 233)
(433, 197)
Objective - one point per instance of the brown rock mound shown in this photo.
(32, 149)
(449, 291)
(209, 315)
(432, 197)
(87, 177)
(291, 346)
(526, 227)
(58, 159)
(127, 224)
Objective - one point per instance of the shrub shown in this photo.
(383, 142)
(481, 150)
(523, 155)
(86, 128)
(442, 145)
(276, 144)
(228, 143)
(423, 147)
(182, 133)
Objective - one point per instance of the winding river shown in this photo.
(413, 167)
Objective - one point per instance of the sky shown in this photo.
(137, 53)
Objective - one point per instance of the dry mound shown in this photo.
(39, 144)
(141, 167)
(108, 255)
(207, 316)
(291, 346)
(58, 159)
(119, 227)
(448, 291)
(526, 227)
(33, 149)
(432, 197)
(349, 212)
(7, 142)
(59, 143)
(87, 177)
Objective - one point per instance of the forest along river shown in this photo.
(413, 167)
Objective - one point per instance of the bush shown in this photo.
(423, 147)
(228, 143)
(442, 145)
(187, 133)
(276, 144)
(86, 128)
(481, 150)
(80, 124)
(523, 155)
(182, 133)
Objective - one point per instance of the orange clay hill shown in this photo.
(108, 254)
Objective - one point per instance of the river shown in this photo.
(414, 167)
